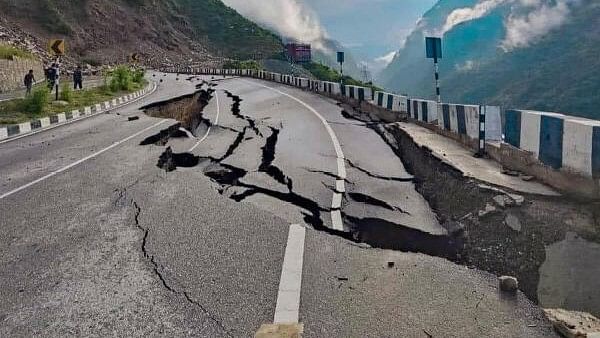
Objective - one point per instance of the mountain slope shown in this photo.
(158, 29)
(557, 72)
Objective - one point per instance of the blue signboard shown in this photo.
(434, 47)
(340, 57)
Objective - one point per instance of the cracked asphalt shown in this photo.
(119, 246)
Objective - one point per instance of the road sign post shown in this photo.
(57, 48)
(340, 60)
(434, 51)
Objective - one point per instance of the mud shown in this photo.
(187, 109)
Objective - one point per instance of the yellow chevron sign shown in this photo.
(57, 47)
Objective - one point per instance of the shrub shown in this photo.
(138, 75)
(37, 101)
(121, 79)
(8, 52)
(66, 93)
(250, 64)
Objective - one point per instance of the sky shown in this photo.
(371, 29)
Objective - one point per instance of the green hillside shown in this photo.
(170, 26)
(557, 72)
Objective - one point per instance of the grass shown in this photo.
(39, 104)
(250, 64)
(325, 73)
(7, 52)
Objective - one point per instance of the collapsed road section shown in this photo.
(500, 231)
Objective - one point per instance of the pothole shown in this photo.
(187, 109)
(170, 161)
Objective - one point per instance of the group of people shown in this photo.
(52, 75)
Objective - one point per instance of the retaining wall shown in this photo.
(12, 72)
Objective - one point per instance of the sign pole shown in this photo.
(341, 58)
(57, 75)
(433, 50)
(437, 80)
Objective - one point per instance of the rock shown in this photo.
(513, 222)
(280, 331)
(518, 199)
(488, 209)
(60, 103)
(508, 284)
(133, 118)
(573, 324)
(527, 178)
(503, 200)
(511, 172)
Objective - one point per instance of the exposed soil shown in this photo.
(482, 217)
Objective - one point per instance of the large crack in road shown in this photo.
(480, 216)
(371, 231)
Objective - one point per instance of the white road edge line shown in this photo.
(336, 219)
(287, 310)
(85, 117)
(54, 173)
(208, 131)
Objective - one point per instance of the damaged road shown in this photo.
(156, 236)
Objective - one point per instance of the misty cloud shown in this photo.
(528, 19)
(461, 15)
(289, 18)
(522, 30)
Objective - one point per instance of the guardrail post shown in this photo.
(482, 111)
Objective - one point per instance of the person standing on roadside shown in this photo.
(78, 78)
(29, 80)
(52, 76)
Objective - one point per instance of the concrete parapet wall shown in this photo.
(558, 141)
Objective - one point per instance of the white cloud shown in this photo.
(386, 59)
(461, 15)
(289, 18)
(528, 19)
(522, 30)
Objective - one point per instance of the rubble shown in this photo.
(508, 283)
(573, 324)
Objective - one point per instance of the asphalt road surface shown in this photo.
(252, 227)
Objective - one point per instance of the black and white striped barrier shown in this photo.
(32, 126)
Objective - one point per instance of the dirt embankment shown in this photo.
(498, 230)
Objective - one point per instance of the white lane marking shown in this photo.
(54, 173)
(336, 218)
(187, 132)
(337, 201)
(287, 309)
(340, 186)
(85, 117)
(208, 131)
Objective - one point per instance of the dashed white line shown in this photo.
(336, 218)
(54, 173)
(208, 131)
(288, 299)
(287, 309)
